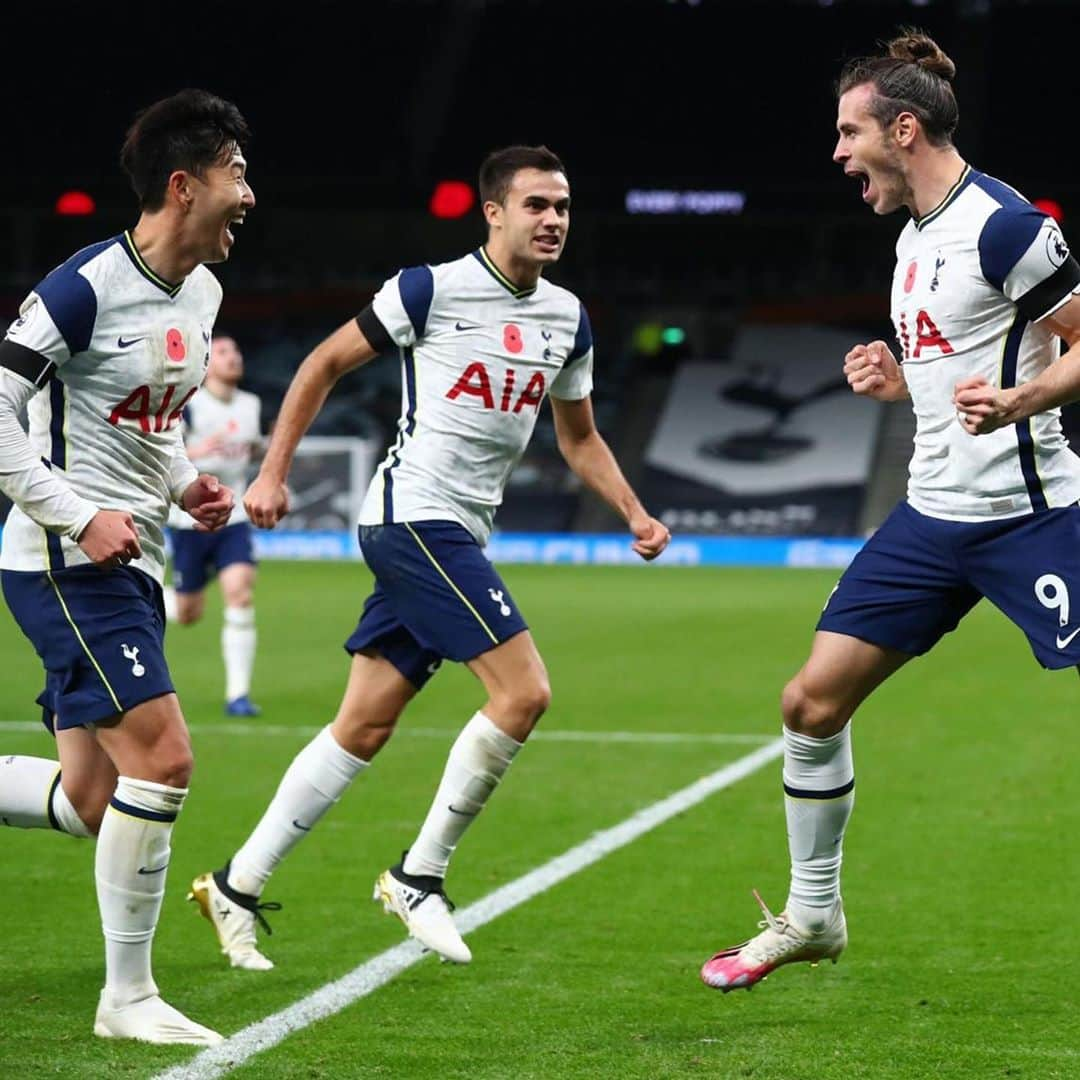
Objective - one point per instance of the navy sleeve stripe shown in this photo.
(582, 339)
(1007, 234)
(1035, 303)
(374, 331)
(30, 365)
(417, 286)
(72, 306)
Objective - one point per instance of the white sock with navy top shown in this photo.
(819, 793)
(130, 869)
(32, 796)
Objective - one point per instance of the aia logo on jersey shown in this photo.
(475, 382)
(175, 349)
(926, 336)
(137, 409)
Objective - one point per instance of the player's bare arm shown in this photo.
(872, 371)
(267, 499)
(982, 408)
(590, 457)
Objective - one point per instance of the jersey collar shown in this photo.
(950, 197)
(485, 261)
(128, 245)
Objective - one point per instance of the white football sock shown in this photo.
(130, 868)
(238, 650)
(26, 785)
(316, 779)
(819, 792)
(168, 596)
(480, 756)
(31, 796)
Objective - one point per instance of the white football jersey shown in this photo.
(973, 277)
(236, 421)
(126, 352)
(478, 357)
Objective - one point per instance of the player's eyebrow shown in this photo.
(541, 200)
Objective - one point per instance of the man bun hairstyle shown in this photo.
(498, 169)
(191, 130)
(915, 75)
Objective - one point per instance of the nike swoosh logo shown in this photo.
(302, 828)
(155, 870)
(466, 326)
(122, 344)
(462, 813)
(1062, 642)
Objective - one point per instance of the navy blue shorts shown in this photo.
(100, 635)
(194, 553)
(918, 576)
(437, 596)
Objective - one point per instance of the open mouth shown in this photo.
(547, 242)
(232, 224)
(863, 179)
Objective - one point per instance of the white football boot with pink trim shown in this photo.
(780, 942)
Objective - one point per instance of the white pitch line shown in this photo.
(306, 731)
(368, 977)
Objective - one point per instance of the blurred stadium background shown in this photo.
(727, 266)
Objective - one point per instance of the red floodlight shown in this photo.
(75, 204)
(1051, 207)
(451, 199)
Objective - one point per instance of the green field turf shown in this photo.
(960, 881)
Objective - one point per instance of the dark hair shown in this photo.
(191, 130)
(497, 171)
(915, 76)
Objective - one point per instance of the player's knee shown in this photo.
(188, 611)
(172, 763)
(364, 734)
(239, 596)
(807, 713)
(533, 698)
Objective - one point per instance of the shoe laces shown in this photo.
(420, 895)
(418, 888)
(777, 936)
(259, 908)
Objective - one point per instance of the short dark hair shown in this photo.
(913, 76)
(498, 169)
(191, 130)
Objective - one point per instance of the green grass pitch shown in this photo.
(960, 879)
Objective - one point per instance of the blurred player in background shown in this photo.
(483, 341)
(107, 351)
(984, 286)
(221, 432)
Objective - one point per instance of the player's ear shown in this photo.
(905, 128)
(179, 188)
(492, 213)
